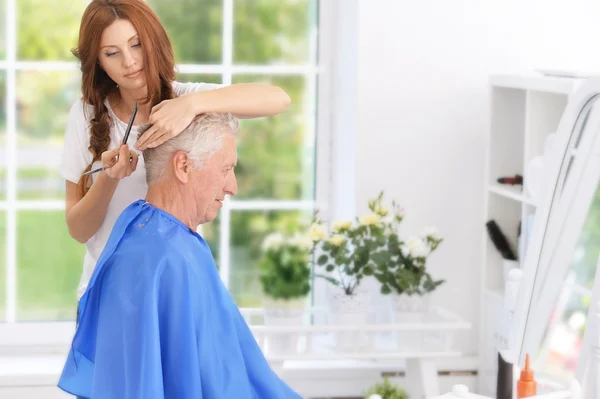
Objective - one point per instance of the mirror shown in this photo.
(569, 154)
(549, 302)
(568, 293)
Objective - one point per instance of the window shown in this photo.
(222, 41)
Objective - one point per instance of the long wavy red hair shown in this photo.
(96, 85)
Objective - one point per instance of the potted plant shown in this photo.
(344, 258)
(285, 279)
(372, 247)
(385, 390)
(406, 277)
(402, 269)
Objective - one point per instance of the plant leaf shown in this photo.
(385, 289)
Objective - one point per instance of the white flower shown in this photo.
(431, 232)
(317, 232)
(417, 247)
(405, 250)
(375, 396)
(301, 241)
(371, 219)
(336, 240)
(341, 225)
(272, 242)
(381, 210)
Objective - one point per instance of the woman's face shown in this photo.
(121, 55)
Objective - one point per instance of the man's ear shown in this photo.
(182, 166)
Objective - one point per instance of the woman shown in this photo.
(126, 57)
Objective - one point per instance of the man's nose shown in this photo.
(231, 188)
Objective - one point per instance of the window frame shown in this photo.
(333, 72)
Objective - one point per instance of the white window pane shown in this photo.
(3, 17)
(2, 266)
(277, 154)
(49, 265)
(248, 230)
(48, 29)
(43, 103)
(199, 78)
(210, 232)
(273, 32)
(3, 154)
(194, 27)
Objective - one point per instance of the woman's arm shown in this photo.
(85, 215)
(244, 100)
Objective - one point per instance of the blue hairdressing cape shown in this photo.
(157, 322)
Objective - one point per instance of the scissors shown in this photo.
(129, 125)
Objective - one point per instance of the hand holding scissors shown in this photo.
(115, 162)
(119, 162)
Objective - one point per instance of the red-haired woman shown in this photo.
(126, 57)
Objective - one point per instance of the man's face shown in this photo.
(215, 180)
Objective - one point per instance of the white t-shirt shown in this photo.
(76, 157)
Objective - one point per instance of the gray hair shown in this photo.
(201, 139)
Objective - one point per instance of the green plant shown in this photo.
(385, 390)
(285, 266)
(371, 246)
(405, 272)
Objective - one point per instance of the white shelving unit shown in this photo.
(524, 110)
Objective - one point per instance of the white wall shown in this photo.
(422, 101)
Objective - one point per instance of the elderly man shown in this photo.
(156, 320)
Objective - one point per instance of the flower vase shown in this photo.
(349, 310)
(283, 313)
(410, 309)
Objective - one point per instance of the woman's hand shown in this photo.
(123, 161)
(168, 119)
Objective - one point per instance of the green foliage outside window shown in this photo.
(276, 159)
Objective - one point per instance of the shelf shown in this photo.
(524, 109)
(379, 336)
(537, 82)
(511, 192)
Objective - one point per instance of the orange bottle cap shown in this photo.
(527, 372)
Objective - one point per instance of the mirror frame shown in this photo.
(573, 210)
(544, 237)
